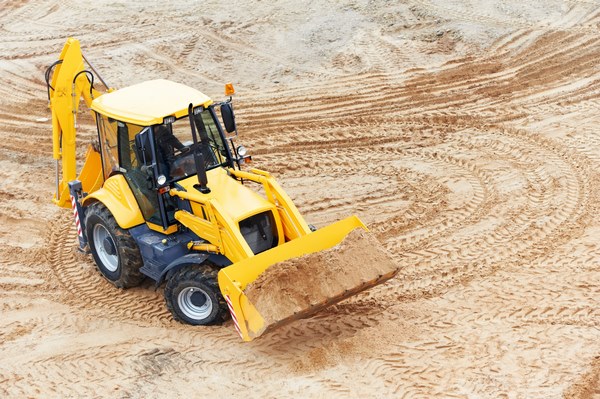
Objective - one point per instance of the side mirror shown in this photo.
(228, 117)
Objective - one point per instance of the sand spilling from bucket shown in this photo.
(293, 286)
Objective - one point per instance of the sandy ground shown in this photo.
(465, 135)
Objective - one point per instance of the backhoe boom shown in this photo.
(70, 82)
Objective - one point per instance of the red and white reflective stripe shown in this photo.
(76, 214)
(235, 322)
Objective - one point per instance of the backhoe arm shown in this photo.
(70, 82)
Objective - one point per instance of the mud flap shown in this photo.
(234, 279)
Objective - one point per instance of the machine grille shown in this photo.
(259, 232)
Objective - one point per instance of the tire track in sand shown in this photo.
(84, 286)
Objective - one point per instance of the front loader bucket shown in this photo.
(234, 279)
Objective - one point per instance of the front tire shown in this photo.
(115, 251)
(193, 297)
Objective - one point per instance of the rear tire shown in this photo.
(115, 251)
(193, 297)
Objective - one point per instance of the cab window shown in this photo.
(107, 134)
(141, 183)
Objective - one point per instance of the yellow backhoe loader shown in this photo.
(162, 195)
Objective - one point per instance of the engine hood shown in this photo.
(236, 199)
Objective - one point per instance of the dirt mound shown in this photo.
(302, 286)
(588, 387)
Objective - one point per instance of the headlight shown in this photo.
(242, 151)
(162, 179)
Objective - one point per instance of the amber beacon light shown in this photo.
(229, 90)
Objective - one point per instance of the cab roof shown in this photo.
(148, 103)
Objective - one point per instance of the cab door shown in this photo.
(137, 159)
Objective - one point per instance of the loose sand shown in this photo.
(464, 134)
(302, 286)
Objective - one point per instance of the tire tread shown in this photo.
(206, 274)
(130, 259)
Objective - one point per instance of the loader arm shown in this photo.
(294, 225)
(70, 82)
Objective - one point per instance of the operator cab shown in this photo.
(147, 132)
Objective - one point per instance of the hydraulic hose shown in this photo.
(87, 74)
(47, 76)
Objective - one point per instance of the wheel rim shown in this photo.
(195, 303)
(105, 248)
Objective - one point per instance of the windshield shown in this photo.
(175, 146)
